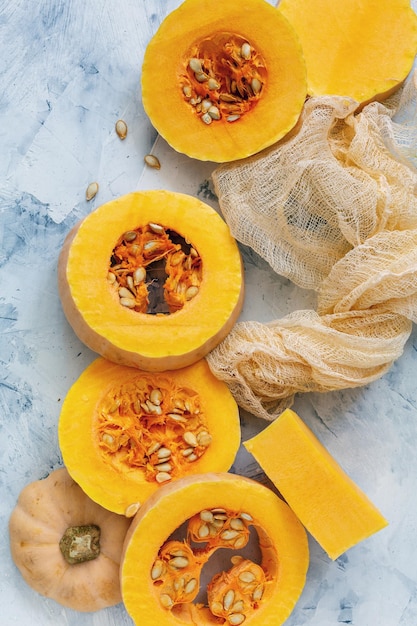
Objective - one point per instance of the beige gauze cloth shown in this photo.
(332, 207)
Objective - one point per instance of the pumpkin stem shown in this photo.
(80, 543)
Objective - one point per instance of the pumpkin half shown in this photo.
(363, 49)
(153, 280)
(222, 82)
(123, 432)
(325, 499)
(67, 547)
(161, 574)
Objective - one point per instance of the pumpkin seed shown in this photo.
(206, 118)
(166, 601)
(191, 586)
(228, 599)
(187, 451)
(195, 65)
(214, 113)
(163, 467)
(130, 235)
(156, 228)
(157, 569)
(256, 85)
(258, 593)
(187, 91)
(139, 275)
(162, 477)
(240, 542)
(212, 84)
(164, 453)
(204, 439)
(237, 524)
(152, 161)
(206, 516)
(227, 535)
(232, 118)
(179, 562)
(246, 516)
(236, 618)
(132, 509)
(191, 292)
(125, 293)
(245, 51)
(190, 438)
(121, 129)
(238, 606)
(153, 448)
(201, 77)
(247, 577)
(91, 191)
(129, 303)
(203, 531)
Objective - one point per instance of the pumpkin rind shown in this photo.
(325, 499)
(150, 342)
(44, 511)
(118, 487)
(167, 54)
(359, 49)
(282, 537)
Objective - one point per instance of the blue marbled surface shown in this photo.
(69, 69)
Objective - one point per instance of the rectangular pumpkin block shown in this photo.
(326, 501)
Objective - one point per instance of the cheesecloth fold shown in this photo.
(332, 207)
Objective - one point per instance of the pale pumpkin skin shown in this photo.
(44, 510)
(150, 342)
(282, 541)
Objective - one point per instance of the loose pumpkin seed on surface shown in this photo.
(121, 129)
(91, 191)
(152, 161)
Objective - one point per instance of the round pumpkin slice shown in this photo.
(363, 49)
(162, 575)
(152, 280)
(66, 546)
(222, 82)
(123, 433)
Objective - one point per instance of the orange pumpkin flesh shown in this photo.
(159, 341)
(329, 504)
(157, 573)
(44, 511)
(222, 83)
(123, 432)
(363, 49)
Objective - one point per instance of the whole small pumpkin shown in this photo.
(66, 546)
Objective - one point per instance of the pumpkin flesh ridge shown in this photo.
(273, 111)
(282, 540)
(44, 511)
(153, 342)
(361, 49)
(127, 441)
(329, 504)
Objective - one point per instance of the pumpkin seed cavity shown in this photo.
(80, 544)
(154, 270)
(153, 425)
(223, 79)
(232, 595)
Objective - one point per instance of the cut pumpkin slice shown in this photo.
(222, 82)
(152, 280)
(123, 432)
(329, 504)
(363, 49)
(161, 573)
